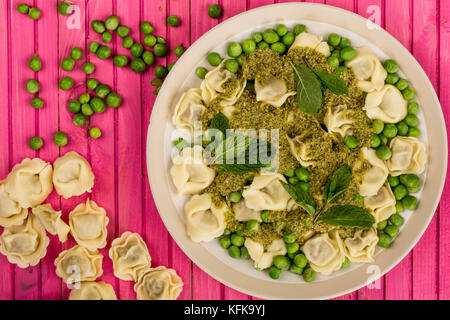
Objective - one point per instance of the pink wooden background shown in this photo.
(118, 158)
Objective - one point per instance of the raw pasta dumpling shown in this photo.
(88, 224)
(189, 110)
(52, 221)
(190, 172)
(368, 70)
(325, 252)
(25, 244)
(409, 155)
(91, 290)
(376, 176)
(336, 120)
(361, 247)
(130, 256)
(30, 182)
(79, 264)
(243, 213)
(158, 284)
(308, 40)
(72, 175)
(10, 212)
(262, 258)
(204, 219)
(387, 105)
(301, 150)
(266, 193)
(381, 205)
(272, 91)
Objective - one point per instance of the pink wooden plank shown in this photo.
(444, 209)
(6, 269)
(398, 284)
(23, 124)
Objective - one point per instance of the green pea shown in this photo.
(227, 231)
(103, 52)
(253, 226)
(234, 49)
(240, 230)
(103, 90)
(376, 141)
(304, 186)
(244, 253)
(74, 106)
(402, 128)
(263, 45)
(333, 62)
(34, 13)
(409, 202)
(278, 47)
(107, 37)
(337, 54)
(293, 180)
(289, 237)
(384, 240)
(179, 50)
(113, 100)
(173, 21)
(128, 42)
(413, 132)
(95, 133)
(148, 57)
(249, 46)
(66, 83)
(390, 130)
(265, 216)
(345, 263)
(281, 30)
(86, 110)
(89, 68)
(234, 252)
(400, 192)
(85, 98)
(76, 53)
(97, 105)
(201, 72)
(309, 274)
(232, 65)
(123, 31)
(64, 8)
(413, 107)
(383, 139)
(409, 94)
(292, 247)
(378, 126)
(112, 23)
(98, 26)
(392, 78)
(351, 142)
(60, 139)
(348, 54)
(94, 46)
(289, 173)
(393, 181)
(274, 272)
(235, 197)
(300, 260)
(225, 242)
(237, 240)
(288, 39)
(399, 207)
(295, 269)
(136, 50)
(214, 11)
(120, 61)
(79, 120)
(36, 143)
(382, 225)
(334, 39)
(68, 64)
(302, 174)
(257, 37)
(396, 220)
(32, 86)
(138, 65)
(412, 120)
(410, 180)
(161, 40)
(281, 262)
(160, 50)
(413, 189)
(391, 66)
(391, 231)
(299, 28)
(384, 152)
(161, 72)
(345, 43)
(358, 198)
(402, 84)
(37, 103)
(92, 84)
(147, 27)
(23, 8)
(270, 36)
(214, 59)
(35, 63)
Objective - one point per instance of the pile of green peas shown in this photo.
(32, 85)
(341, 51)
(60, 138)
(391, 66)
(33, 13)
(298, 176)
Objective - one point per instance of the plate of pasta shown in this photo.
(296, 157)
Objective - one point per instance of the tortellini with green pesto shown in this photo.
(243, 213)
(381, 205)
(158, 284)
(361, 247)
(375, 177)
(301, 149)
(263, 258)
(272, 91)
(337, 120)
(409, 155)
(308, 40)
(188, 110)
(11, 213)
(91, 290)
(52, 221)
(368, 70)
(387, 105)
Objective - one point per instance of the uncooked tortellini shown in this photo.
(25, 244)
(190, 172)
(361, 247)
(272, 91)
(188, 110)
(204, 220)
(325, 252)
(381, 205)
(266, 193)
(88, 224)
(336, 120)
(409, 155)
(308, 40)
(387, 105)
(243, 213)
(158, 284)
(10, 212)
(79, 264)
(129, 255)
(91, 290)
(263, 259)
(368, 70)
(72, 175)
(376, 176)
(30, 182)
(52, 222)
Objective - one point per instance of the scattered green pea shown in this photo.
(413, 107)
(400, 192)
(281, 262)
(244, 253)
(288, 39)
(345, 43)
(351, 142)
(120, 61)
(384, 152)
(270, 36)
(293, 180)
(128, 42)
(76, 53)
(253, 226)
(345, 263)
(94, 46)
(161, 72)
(393, 181)
(409, 202)
(148, 57)
(278, 47)
(409, 94)
(89, 68)
(225, 242)
(37, 103)
(334, 39)
(237, 240)
(33, 86)
(95, 133)
(289, 173)
(240, 230)
(257, 37)
(402, 128)
(384, 240)
(265, 216)
(112, 23)
(396, 220)
(92, 84)
(87, 110)
(333, 61)
(300, 260)
(274, 272)
(68, 64)
(214, 11)
(383, 139)
(156, 82)
(136, 50)
(348, 54)
(97, 105)
(235, 197)
(391, 231)
(173, 21)
(64, 8)
(410, 180)
(138, 65)
(234, 49)
(232, 65)
(161, 40)
(98, 26)
(289, 237)
(85, 98)
(391, 66)
(103, 52)
(292, 247)
(113, 100)
(304, 186)
(309, 274)
(263, 45)
(299, 28)
(34, 13)
(160, 50)
(79, 120)
(413, 132)
(60, 139)
(295, 269)
(35, 63)
(147, 27)
(103, 90)
(107, 37)
(74, 106)
(201, 72)
(36, 143)
(399, 207)
(302, 174)
(214, 59)
(392, 78)
(249, 46)
(390, 130)
(378, 126)
(281, 30)
(412, 120)
(382, 225)
(123, 31)
(23, 8)
(179, 50)
(376, 141)
(402, 84)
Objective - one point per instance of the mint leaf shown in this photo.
(220, 122)
(309, 92)
(302, 198)
(337, 184)
(348, 216)
(332, 82)
(237, 168)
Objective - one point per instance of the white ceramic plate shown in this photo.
(320, 20)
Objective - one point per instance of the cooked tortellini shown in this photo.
(26, 244)
(272, 91)
(375, 177)
(10, 211)
(190, 172)
(387, 105)
(158, 284)
(243, 213)
(361, 247)
(262, 258)
(30, 182)
(72, 175)
(130, 256)
(301, 150)
(368, 70)
(409, 155)
(381, 205)
(204, 219)
(325, 252)
(52, 221)
(88, 224)
(90, 290)
(79, 264)
(308, 40)
(337, 120)
(266, 193)
(188, 111)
